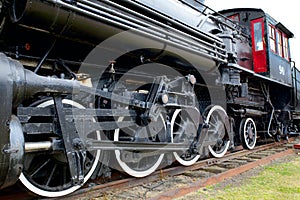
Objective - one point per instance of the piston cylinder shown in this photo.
(16, 85)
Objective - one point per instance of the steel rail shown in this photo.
(179, 192)
(92, 191)
(132, 182)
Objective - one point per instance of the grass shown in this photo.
(276, 182)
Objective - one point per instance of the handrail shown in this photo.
(206, 11)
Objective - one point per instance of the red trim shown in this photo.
(235, 17)
(297, 146)
(259, 45)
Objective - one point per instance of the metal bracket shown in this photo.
(74, 146)
(198, 143)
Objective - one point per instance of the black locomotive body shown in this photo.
(94, 85)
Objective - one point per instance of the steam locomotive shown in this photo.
(90, 85)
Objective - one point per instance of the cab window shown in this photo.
(272, 38)
(258, 36)
(286, 54)
(279, 43)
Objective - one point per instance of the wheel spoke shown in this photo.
(179, 125)
(213, 119)
(214, 125)
(40, 168)
(64, 175)
(51, 175)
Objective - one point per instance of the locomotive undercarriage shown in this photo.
(138, 120)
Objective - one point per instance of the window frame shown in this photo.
(258, 34)
(280, 40)
(272, 38)
(285, 46)
(279, 43)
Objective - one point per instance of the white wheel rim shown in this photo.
(218, 155)
(129, 170)
(245, 135)
(176, 155)
(44, 193)
(213, 153)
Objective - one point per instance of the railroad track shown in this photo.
(176, 181)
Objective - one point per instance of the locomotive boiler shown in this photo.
(94, 85)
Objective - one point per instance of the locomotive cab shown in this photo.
(269, 41)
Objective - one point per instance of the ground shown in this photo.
(282, 182)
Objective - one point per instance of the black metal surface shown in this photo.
(99, 21)
(74, 147)
(23, 83)
(6, 86)
(49, 16)
(15, 151)
(12, 141)
(28, 84)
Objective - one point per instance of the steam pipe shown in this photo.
(95, 23)
(24, 83)
(44, 57)
(5, 113)
(270, 122)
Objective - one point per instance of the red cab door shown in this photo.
(259, 45)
